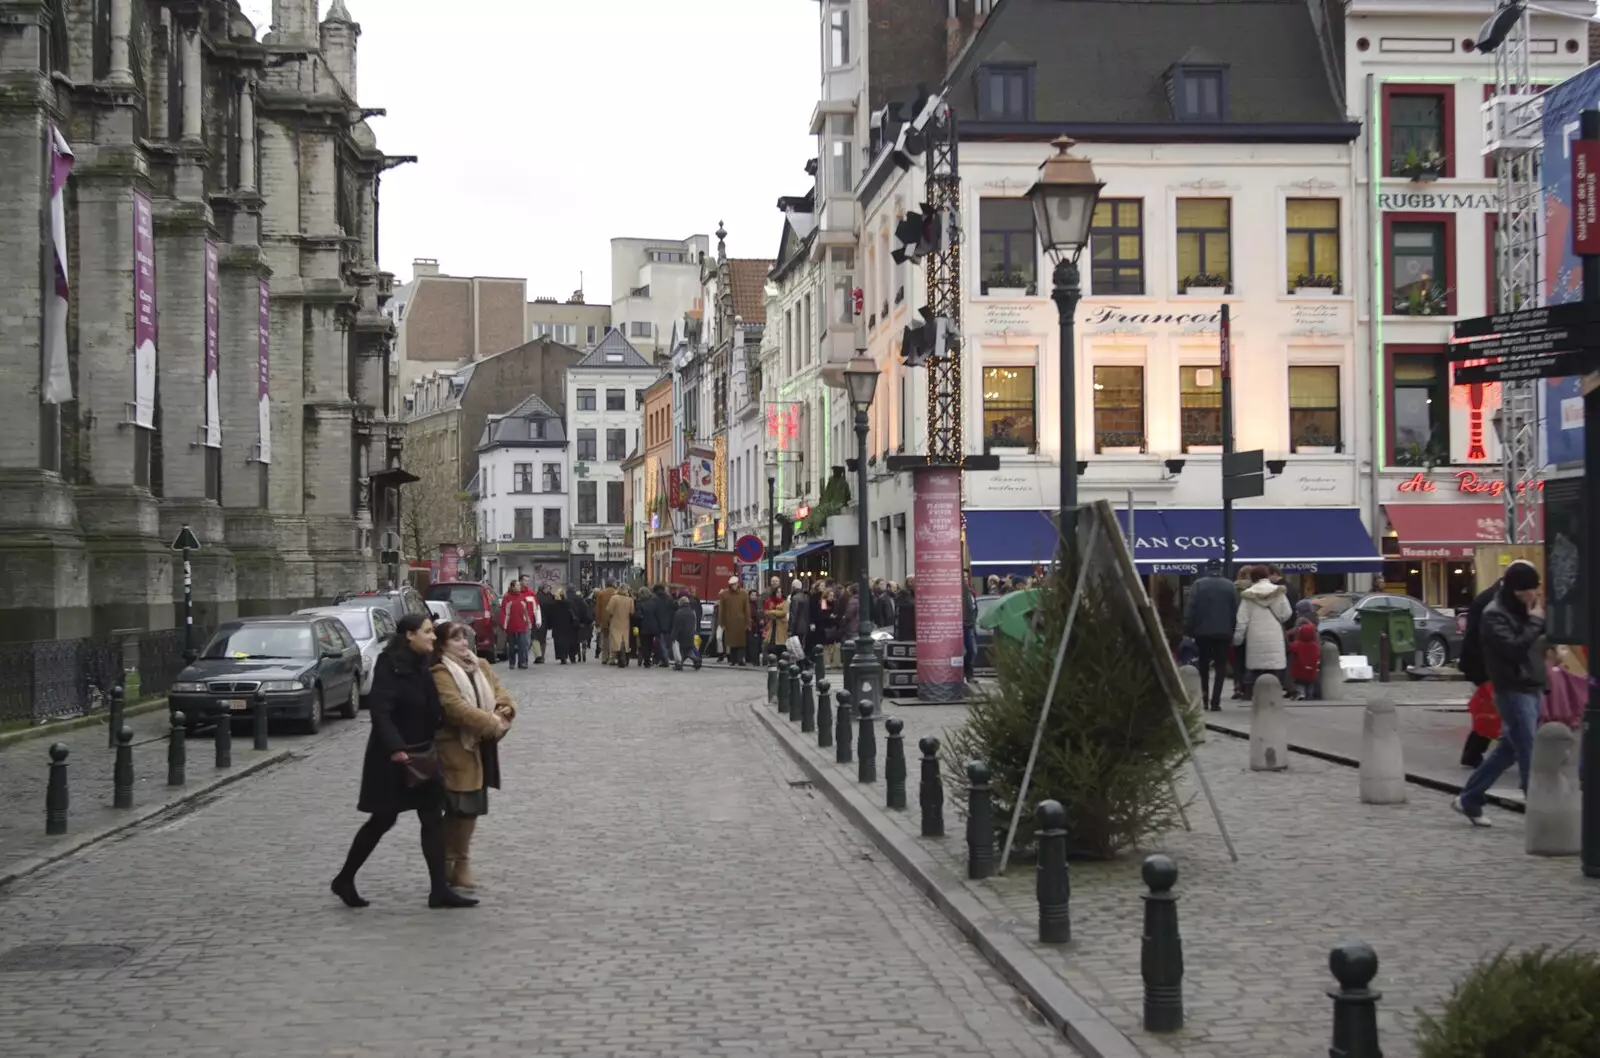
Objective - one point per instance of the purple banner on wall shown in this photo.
(213, 344)
(938, 550)
(263, 412)
(144, 312)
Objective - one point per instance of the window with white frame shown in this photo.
(839, 42)
(841, 153)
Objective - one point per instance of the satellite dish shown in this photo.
(1499, 26)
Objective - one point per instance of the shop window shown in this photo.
(1009, 411)
(1417, 259)
(1420, 434)
(1119, 409)
(1204, 243)
(1311, 239)
(1116, 246)
(1314, 409)
(1008, 248)
(1417, 133)
(1200, 406)
(1005, 93)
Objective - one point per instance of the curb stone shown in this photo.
(1068, 1012)
(75, 843)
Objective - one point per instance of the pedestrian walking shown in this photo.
(619, 625)
(733, 617)
(1485, 720)
(1258, 627)
(1513, 656)
(563, 627)
(602, 600)
(541, 632)
(518, 616)
(685, 626)
(401, 771)
(664, 609)
(477, 714)
(799, 619)
(969, 629)
(905, 612)
(1305, 660)
(776, 611)
(1209, 616)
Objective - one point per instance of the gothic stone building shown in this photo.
(220, 359)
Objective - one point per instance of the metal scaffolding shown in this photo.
(945, 443)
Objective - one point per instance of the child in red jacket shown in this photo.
(1305, 657)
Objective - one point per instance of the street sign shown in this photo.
(389, 558)
(1238, 464)
(749, 548)
(391, 541)
(1585, 206)
(1559, 364)
(186, 540)
(1524, 343)
(1571, 314)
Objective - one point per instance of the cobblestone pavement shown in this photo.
(653, 886)
(1316, 867)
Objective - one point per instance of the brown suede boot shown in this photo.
(464, 826)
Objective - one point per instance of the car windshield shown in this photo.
(275, 641)
(1332, 605)
(461, 597)
(358, 622)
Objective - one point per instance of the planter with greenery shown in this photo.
(1003, 284)
(1535, 1004)
(1422, 300)
(1204, 284)
(1305, 285)
(1422, 167)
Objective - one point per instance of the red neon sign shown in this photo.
(1467, 481)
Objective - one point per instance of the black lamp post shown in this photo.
(772, 518)
(1064, 199)
(864, 679)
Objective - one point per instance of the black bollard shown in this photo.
(1355, 1006)
(122, 770)
(817, 667)
(843, 736)
(177, 751)
(867, 747)
(259, 718)
(1053, 885)
(55, 792)
(117, 707)
(772, 682)
(894, 763)
(783, 688)
(981, 856)
(824, 714)
(223, 733)
(808, 704)
(1161, 957)
(1383, 657)
(791, 694)
(847, 654)
(931, 791)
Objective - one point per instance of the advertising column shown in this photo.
(938, 583)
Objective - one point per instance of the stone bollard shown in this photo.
(177, 751)
(847, 654)
(259, 718)
(930, 792)
(794, 691)
(981, 855)
(894, 763)
(819, 670)
(866, 744)
(1383, 767)
(772, 681)
(1555, 807)
(1330, 674)
(784, 671)
(1053, 886)
(122, 770)
(55, 791)
(223, 733)
(808, 703)
(824, 714)
(1269, 728)
(1161, 954)
(116, 710)
(1355, 1006)
(843, 731)
(1189, 678)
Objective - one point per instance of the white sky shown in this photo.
(544, 128)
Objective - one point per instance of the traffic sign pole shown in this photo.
(1589, 129)
(1224, 341)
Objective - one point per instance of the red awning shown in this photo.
(1448, 530)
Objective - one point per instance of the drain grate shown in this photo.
(47, 958)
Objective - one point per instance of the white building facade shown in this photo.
(523, 497)
(654, 284)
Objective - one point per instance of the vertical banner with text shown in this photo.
(213, 344)
(144, 312)
(263, 411)
(938, 584)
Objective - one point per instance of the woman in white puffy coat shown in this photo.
(1264, 610)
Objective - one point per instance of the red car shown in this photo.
(479, 606)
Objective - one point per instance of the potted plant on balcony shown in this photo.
(1421, 299)
(1421, 167)
(1202, 442)
(1204, 285)
(1121, 443)
(1314, 441)
(1314, 286)
(1001, 283)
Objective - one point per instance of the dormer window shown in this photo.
(1198, 93)
(1005, 93)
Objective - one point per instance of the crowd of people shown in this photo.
(1252, 626)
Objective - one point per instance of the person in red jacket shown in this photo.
(1305, 658)
(519, 616)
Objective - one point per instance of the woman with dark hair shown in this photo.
(401, 770)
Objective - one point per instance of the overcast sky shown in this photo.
(544, 128)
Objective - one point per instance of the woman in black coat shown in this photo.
(406, 714)
(563, 627)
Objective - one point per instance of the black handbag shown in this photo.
(421, 765)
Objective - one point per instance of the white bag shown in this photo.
(796, 649)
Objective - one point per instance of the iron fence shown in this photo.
(57, 678)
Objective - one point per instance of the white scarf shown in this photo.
(475, 689)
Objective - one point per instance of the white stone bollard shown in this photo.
(1189, 677)
(1555, 808)
(1331, 674)
(1383, 767)
(1269, 727)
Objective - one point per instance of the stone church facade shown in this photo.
(221, 205)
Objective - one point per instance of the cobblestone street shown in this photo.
(654, 885)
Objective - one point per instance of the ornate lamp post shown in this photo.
(865, 677)
(1064, 199)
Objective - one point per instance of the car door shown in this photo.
(350, 663)
(330, 671)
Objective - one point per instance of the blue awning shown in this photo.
(1182, 539)
(787, 559)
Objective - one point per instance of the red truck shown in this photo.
(702, 573)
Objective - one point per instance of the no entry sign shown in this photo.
(749, 548)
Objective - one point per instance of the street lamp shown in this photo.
(1064, 199)
(865, 675)
(772, 514)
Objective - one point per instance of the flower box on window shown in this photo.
(1007, 285)
(1421, 301)
(1309, 286)
(1205, 285)
(1420, 167)
(1121, 443)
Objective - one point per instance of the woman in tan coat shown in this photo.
(619, 624)
(477, 713)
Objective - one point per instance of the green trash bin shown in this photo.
(1395, 619)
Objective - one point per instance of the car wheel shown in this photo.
(353, 705)
(1437, 652)
(312, 724)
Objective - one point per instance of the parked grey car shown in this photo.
(1438, 635)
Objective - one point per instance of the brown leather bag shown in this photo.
(421, 765)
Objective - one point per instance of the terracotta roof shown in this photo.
(750, 288)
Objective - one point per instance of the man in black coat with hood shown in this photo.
(1208, 619)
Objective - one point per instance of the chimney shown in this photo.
(424, 266)
(339, 35)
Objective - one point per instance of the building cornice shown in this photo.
(1163, 132)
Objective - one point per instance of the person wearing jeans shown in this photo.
(1209, 616)
(1512, 627)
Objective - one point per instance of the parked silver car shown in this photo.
(369, 624)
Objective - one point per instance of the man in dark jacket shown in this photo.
(1208, 618)
(1472, 668)
(883, 606)
(1511, 634)
(905, 615)
(799, 612)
